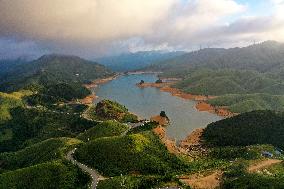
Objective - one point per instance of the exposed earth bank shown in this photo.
(201, 105)
(88, 100)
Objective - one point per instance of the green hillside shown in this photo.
(51, 70)
(248, 102)
(220, 82)
(104, 129)
(29, 126)
(140, 153)
(266, 57)
(42, 152)
(50, 175)
(270, 178)
(249, 70)
(9, 101)
(53, 78)
(107, 109)
(257, 127)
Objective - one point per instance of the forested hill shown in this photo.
(266, 57)
(256, 127)
(7, 65)
(138, 60)
(52, 69)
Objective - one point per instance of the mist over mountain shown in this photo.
(9, 65)
(138, 60)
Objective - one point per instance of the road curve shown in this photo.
(96, 177)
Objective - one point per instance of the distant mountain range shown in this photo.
(266, 57)
(245, 79)
(138, 60)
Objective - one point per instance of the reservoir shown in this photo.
(147, 102)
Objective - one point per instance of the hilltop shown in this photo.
(52, 69)
(266, 57)
(235, 75)
(256, 127)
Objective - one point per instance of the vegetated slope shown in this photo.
(253, 69)
(9, 65)
(238, 177)
(257, 127)
(137, 153)
(53, 69)
(9, 101)
(138, 60)
(29, 126)
(219, 82)
(56, 174)
(266, 57)
(240, 103)
(107, 109)
(42, 152)
(104, 129)
(55, 93)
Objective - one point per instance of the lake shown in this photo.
(147, 102)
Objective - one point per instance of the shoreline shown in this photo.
(193, 138)
(141, 72)
(88, 100)
(201, 104)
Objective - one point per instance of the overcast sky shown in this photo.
(91, 28)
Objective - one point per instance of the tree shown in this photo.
(163, 114)
(159, 81)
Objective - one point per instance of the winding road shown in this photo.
(96, 177)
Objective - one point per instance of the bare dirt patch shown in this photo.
(263, 164)
(202, 105)
(199, 181)
(163, 121)
(160, 131)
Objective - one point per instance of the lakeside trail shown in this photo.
(96, 177)
(201, 105)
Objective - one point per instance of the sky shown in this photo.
(95, 28)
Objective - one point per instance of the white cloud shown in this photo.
(81, 20)
(88, 27)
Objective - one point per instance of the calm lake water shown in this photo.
(147, 102)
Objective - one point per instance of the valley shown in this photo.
(90, 127)
(142, 94)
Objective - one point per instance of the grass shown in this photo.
(104, 129)
(55, 174)
(248, 102)
(257, 127)
(106, 110)
(9, 101)
(134, 182)
(146, 127)
(136, 153)
(226, 81)
(45, 151)
(32, 125)
(270, 178)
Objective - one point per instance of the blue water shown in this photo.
(147, 102)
